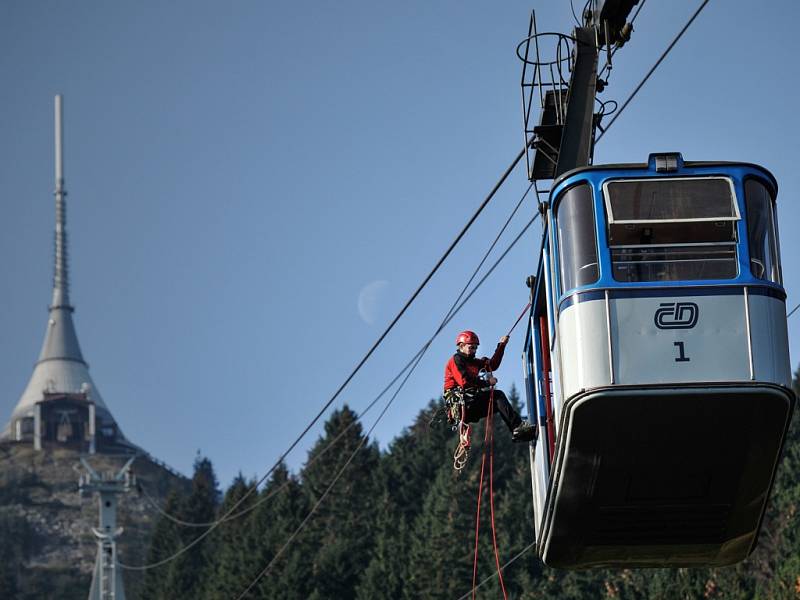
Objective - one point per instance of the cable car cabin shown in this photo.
(657, 364)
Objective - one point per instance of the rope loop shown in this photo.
(461, 455)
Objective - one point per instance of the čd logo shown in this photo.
(676, 315)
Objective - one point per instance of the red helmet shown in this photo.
(467, 337)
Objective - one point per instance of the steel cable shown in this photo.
(338, 475)
(228, 515)
(652, 69)
(493, 575)
(448, 316)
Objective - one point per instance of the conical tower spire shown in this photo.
(60, 402)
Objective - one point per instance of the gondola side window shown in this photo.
(672, 229)
(761, 232)
(576, 238)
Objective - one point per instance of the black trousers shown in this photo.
(477, 407)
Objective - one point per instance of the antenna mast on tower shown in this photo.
(60, 278)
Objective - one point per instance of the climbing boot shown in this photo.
(524, 432)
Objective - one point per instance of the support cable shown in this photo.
(275, 491)
(493, 575)
(413, 297)
(450, 315)
(321, 499)
(458, 238)
(455, 308)
(231, 513)
(652, 69)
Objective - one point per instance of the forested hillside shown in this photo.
(400, 524)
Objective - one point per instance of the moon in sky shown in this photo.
(369, 300)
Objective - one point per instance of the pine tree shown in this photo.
(229, 560)
(782, 537)
(414, 457)
(166, 540)
(405, 475)
(282, 507)
(401, 525)
(386, 573)
(187, 573)
(339, 536)
(440, 556)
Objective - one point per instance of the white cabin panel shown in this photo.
(770, 339)
(557, 383)
(583, 329)
(679, 340)
(539, 481)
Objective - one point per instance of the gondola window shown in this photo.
(576, 238)
(672, 229)
(762, 235)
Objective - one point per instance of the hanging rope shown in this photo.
(491, 492)
(480, 494)
(519, 318)
(488, 447)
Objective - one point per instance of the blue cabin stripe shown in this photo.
(684, 291)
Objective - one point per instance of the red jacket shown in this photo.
(462, 371)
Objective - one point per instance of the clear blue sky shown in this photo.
(239, 172)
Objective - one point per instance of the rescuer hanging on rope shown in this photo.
(462, 382)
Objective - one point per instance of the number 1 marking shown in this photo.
(681, 355)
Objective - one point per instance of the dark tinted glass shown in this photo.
(576, 238)
(671, 199)
(761, 232)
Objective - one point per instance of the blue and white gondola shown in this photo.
(657, 364)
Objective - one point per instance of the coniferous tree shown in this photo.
(232, 552)
(166, 540)
(414, 457)
(339, 535)
(440, 556)
(386, 573)
(401, 525)
(407, 471)
(783, 534)
(447, 522)
(282, 507)
(187, 574)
